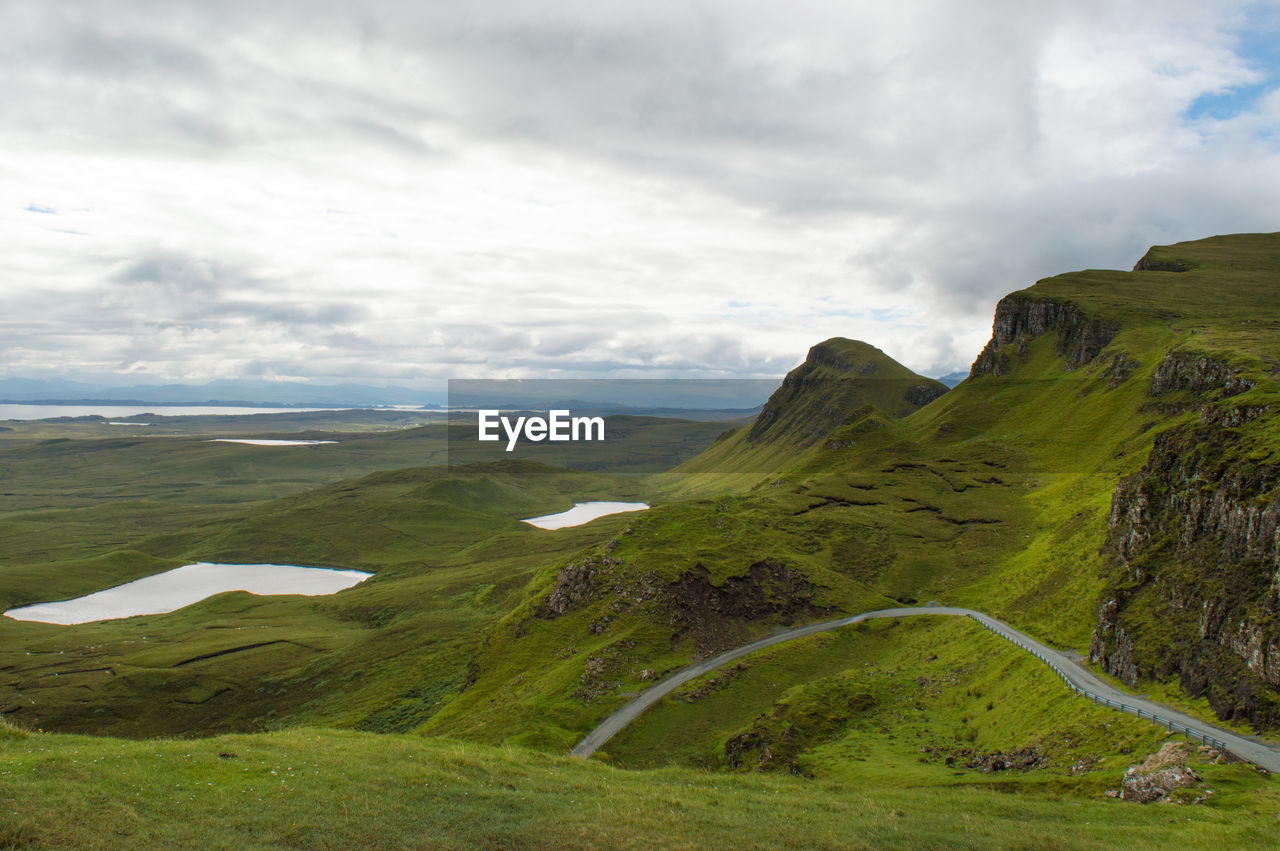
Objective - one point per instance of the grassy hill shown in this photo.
(998, 495)
(838, 378)
(842, 384)
(1107, 480)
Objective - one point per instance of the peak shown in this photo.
(1234, 252)
(855, 356)
(845, 346)
(839, 377)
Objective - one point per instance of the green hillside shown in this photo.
(838, 378)
(842, 384)
(1107, 480)
(998, 495)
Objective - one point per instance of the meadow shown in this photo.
(324, 788)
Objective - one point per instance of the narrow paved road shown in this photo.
(1081, 679)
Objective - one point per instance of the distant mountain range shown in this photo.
(621, 394)
(224, 391)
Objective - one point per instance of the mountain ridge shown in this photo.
(1105, 480)
(996, 495)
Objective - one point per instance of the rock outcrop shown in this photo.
(1187, 494)
(1198, 373)
(575, 586)
(1163, 773)
(1196, 535)
(707, 612)
(1150, 263)
(1021, 318)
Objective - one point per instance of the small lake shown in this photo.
(583, 512)
(182, 586)
(264, 442)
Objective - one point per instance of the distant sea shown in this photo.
(118, 412)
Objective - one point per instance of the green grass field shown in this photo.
(320, 788)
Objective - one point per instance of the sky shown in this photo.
(397, 193)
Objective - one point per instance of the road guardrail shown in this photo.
(1170, 724)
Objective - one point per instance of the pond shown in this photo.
(583, 512)
(182, 586)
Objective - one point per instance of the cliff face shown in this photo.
(1021, 318)
(1149, 262)
(1197, 373)
(1196, 533)
(1193, 537)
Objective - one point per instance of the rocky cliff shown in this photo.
(1021, 317)
(1196, 537)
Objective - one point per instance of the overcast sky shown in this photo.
(402, 192)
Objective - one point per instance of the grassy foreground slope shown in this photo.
(319, 788)
(886, 700)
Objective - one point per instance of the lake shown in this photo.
(583, 512)
(268, 442)
(182, 586)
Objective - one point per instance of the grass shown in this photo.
(76, 495)
(335, 789)
(836, 705)
(81, 511)
(449, 554)
(995, 496)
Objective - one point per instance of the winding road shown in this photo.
(1077, 677)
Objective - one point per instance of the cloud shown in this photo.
(703, 188)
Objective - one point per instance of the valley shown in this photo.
(1106, 482)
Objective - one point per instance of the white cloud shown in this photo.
(405, 192)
